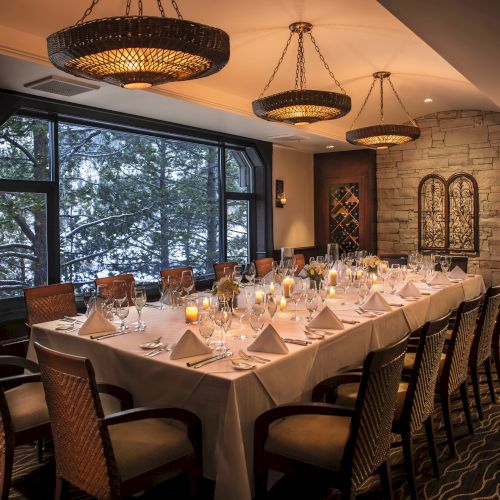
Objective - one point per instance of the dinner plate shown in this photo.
(242, 365)
(150, 345)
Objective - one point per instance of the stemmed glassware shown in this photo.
(271, 305)
(206, 325)
(256, 322)
(344, 279)
(187, 281)
(250, 272)
(392, 280)
(237, 274)
(445, 263)
(223, 319)
(88, 295)
(139, 298)
(104, 301)
(122, 311)
(174, 290)
(312, 303)
(163, 289)
(296, 295)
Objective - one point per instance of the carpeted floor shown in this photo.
(474, 474)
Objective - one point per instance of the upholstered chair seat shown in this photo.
(27, 406)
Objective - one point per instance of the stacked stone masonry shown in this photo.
(450, 142)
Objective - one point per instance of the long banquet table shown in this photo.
(228, 401)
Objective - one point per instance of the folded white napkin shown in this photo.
(439, 279)
(326, 320)
(96, 323)
(457, 273)
(269, 341)
(375, 302)
(409, 290)
(189, 345)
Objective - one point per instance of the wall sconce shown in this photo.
(280, 194)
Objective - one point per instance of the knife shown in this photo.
(208, 361)
(107, 335)
(296, 341)
(193, 363)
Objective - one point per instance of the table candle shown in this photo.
(191, 314)
(374, 278)
(206, 303)
(331, 292)
(272, 288)
(259, 297)
(359, 274)
(282, 304)
(332, 277)
(287, 285)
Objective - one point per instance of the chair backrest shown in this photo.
(219, 268)
(263, 266)
(108, 280)
(83, 449)
(49, 302)
(419, 401)
(300, 261)
(371, 424)
(456, 364)
(176, 272)
(481, 343)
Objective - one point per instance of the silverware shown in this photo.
(194, 363)
(252, 357)
(161, 349)
(107, 335)
(288, 340)
(350, 321)
(152, 305)
(71, 320)
(213, 360)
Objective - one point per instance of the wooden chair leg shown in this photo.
(465, 402)
(496, 355)
(477, 393)
(409, 464)
(261, 474)
(62, 489)
(489, 377)
(6, 463)
(431, 444)
(194, 478)
(384, 472)
(445, 406)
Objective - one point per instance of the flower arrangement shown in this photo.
(226, 288)
(315, 271)
(371, 261)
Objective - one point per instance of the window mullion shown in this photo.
(222, 203)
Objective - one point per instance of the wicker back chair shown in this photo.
(453, 375)
(23, 415)
(496, 345)
(108, 280)
(349, 444)
(111, 456)
(263, 266)
(49, 302)
(300, 260)
(481, 344)
(176, 272)
(219, 268)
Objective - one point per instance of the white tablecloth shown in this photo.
(229, 401)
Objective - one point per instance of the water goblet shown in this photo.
(187, 281)
(139, 298)
(206, 325)
(88, 295)
(122, 310)
(256, 323)
(271, 305)
(445, 263)
(296, 295)
(312, 303)
(250, 272)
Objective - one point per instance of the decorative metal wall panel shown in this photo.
(344, 216)
(462, 218)
(432, 213)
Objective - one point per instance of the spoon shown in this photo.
(152, 344)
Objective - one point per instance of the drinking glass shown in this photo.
(445, 263)
(139, 298)
(392, 281)
(312, 303)
(256, 323)
(88, 295)
(296, 295)
(364, 290)
(271, 305)
(344, 279)
(163, 289)
(223, 319)
(237, 274)
(323, 291)
(122, 310)
(174, 290)
(206, 325)
(250, 272)
(187, 281)
(320, 259)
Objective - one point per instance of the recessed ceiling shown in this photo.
(357, 37)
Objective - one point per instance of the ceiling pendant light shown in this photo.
(383, 135)
(301, 106)
(137, 52)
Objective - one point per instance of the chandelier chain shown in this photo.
(88, 11)
(325, 64)
(278, 65)
(382, 100)
(300, 70)
(413, 122)
(127, 8)
(363, 105)
(140, 7)
(176, 7)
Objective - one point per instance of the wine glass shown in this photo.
(323, 291)
(223, 319)
(174, 290)
(206, 325)
(312, 303)
(187, 281)
(119, 291)
(237, 275)
(392, 281)
(88, 295)
(163, 289)
(256, 323)
(139, 298)
(271, 305)
(122, 310)
(296, 295)
(445, 263)
(250, 272)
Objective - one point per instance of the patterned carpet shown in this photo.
(473, 475)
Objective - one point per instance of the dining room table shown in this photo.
(225, 397)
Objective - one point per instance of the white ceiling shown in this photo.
(357, 37)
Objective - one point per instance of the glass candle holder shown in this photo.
(191, 311)
(287, 287)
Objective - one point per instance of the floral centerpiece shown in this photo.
(315, 272)
(227, 291)
(371, 262)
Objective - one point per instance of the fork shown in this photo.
(162, 348)
(249, 357)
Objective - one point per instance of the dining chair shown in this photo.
(117, 455)
(23, 415)
(453, 370)
(176, 272)
(481, 352)
(108, 280)
(300, 260)
(415, 397)
(263, 266)
(49, 302)
(219, 268)
(346, 444)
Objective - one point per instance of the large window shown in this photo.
(109, 201)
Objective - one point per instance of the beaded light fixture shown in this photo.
(302, 106)
(383, 135)
(137, 52)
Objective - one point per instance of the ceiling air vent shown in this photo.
(61, 86)
(286, 138)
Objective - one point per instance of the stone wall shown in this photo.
(450, 142)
